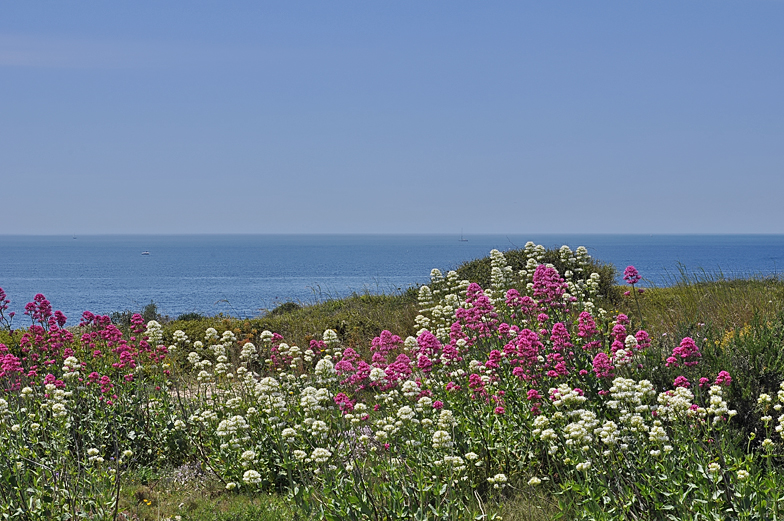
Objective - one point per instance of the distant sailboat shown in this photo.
(462, 239)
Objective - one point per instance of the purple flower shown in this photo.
(723, 378)
(602, 366)
(631, 275)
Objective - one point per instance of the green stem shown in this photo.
(639, 310)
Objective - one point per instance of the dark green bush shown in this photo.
(185, 317)
(286, 307)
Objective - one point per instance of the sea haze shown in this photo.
(243, 275)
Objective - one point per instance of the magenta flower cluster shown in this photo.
(631, 275)
(687, 353)
(549, 287)
(100, 348)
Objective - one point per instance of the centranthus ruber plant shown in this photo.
(526, 384)
(632, 277)
(78, 406)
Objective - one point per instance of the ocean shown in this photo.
(245, 275)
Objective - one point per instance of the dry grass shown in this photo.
(724, 304)
(194, 495)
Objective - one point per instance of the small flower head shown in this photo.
(631, 275)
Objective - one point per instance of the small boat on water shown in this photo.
(145, 253)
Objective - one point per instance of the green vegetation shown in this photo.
(234, 422)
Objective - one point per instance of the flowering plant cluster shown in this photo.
(527, 383)
(501, 388)
(77, 406)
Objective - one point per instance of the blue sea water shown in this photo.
(243, 275)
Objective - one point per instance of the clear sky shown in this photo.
(391, 116)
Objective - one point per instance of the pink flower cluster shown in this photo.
(480, 316)
(356, 371)
(631, 275)
(687, 353)
(524, 305)
(549, 288)
(100, 348)
(5, 321)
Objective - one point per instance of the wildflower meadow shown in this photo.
(533, 397)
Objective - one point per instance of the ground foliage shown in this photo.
(521, 386)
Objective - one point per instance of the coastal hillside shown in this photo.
(530, 384)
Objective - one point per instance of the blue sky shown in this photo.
(392, 117)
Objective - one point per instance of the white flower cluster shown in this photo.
(441, 440)
(330, 337)
(542, 430)
(630, 394)
(234, 403)
(57, 405)
(717, 407)
(311, 399)
(579, 432)
(628, 399)
(387, 427)
(318, 428)
(320, 455)
(498, 481)
(248, 352)
(204, 417)
(94, 456)
(211, 334)
(455, 463)
(585, 465)
(406, 413)
(410, 389)
(71, 367)
(778, 407)
(180, 339)
(324, 367)
(608, 433)
(377, 374)
(269, 395)
(288, 434)
(502, 277)
(565, 396)
(424, 404)
(154, 333)
(657, 433)
(247, 458)
(233, 428)
(446, 419)
(623, 358)
(438, 302)
(251, 477)
(675, 404)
